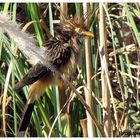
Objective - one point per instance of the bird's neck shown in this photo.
(76, 41)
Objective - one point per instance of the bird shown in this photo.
(64, 51)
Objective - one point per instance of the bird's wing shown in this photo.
(34, 73)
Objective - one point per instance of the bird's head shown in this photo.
(78, 27)
(73, 27)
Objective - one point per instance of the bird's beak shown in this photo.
(90, 34)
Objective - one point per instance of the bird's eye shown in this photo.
(78, 30)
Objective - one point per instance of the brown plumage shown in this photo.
(64, 53)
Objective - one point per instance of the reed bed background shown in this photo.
(108, 78)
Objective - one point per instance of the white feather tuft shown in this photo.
(24, 41)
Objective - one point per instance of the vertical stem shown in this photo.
(51, 19)
(105, 93)
(64, 10)
(83, 123)
(57, 106)
(79, 9)
(13, 79)
(88, 95)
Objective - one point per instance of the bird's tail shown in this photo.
(25, 119)
(35, 90)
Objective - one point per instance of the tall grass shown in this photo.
(112, 77)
